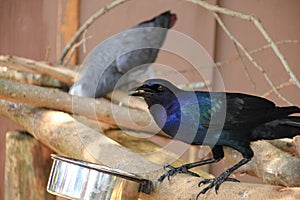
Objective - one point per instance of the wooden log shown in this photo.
(63, 134)
(24, 64)
(296, 142)
(100, 109)
(149, 150)
(27, 167)
(34, 79)
(271, 164)
(122, 98)
(58, 130)
(286, 145)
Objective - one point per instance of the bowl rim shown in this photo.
(100, 168)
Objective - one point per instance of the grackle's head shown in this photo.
(156, 91)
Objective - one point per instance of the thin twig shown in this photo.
(245, 67)
(250, 58)
(88, 22)
(74, 47)
(259, 26)
(279, 87)
(254, 51)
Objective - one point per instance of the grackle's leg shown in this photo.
(218, 154)
(247, 153)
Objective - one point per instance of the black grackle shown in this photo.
(215, 119)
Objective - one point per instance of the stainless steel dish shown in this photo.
(75, 179)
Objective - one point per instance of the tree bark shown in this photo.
(29, 78)
(271, 164)
(286, 145)
(296, 142)
(63, 74)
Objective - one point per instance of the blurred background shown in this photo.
(39, 30)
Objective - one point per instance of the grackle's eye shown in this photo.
(160, 88)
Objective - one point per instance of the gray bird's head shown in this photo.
(164, 20)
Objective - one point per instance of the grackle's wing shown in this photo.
(243, 111)
(236, 111)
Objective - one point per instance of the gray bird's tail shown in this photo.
(287, 127)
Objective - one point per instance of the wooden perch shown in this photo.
(270, 163)
(28, 65)
(297, 144)
(99, 109)
(286, 145)
(122, 98)
(29, 78)
(68, 137)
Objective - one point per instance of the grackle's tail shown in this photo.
(287, 127)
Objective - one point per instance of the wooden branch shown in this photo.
(148, 149)
(259, 26)
(27, 167)
(286, 145)
(28, 65)
(270, 163)
(29, 78)
(100, 109)
(245, 69)
(279, 87)
(297, 144)
(251, 59)
(254, 51)
(75, 47)
(86, 24)
(60, 132)
(194, 85)
(121, 98)
(88, 145)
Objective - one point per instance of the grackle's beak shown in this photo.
(141, 91)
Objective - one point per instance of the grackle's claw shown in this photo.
(215, 182)
(175, 170)
(168, 166)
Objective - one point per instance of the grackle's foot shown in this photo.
(175, 170)
(215, 182)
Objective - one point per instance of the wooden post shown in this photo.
(67, 24)
(27, 167)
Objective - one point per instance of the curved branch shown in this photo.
(88, 22)
(254, 51)
(259, 26)
(268, 79)
(270, 163)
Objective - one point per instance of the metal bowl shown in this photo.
(76, 179)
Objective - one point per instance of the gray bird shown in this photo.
(123, 57)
